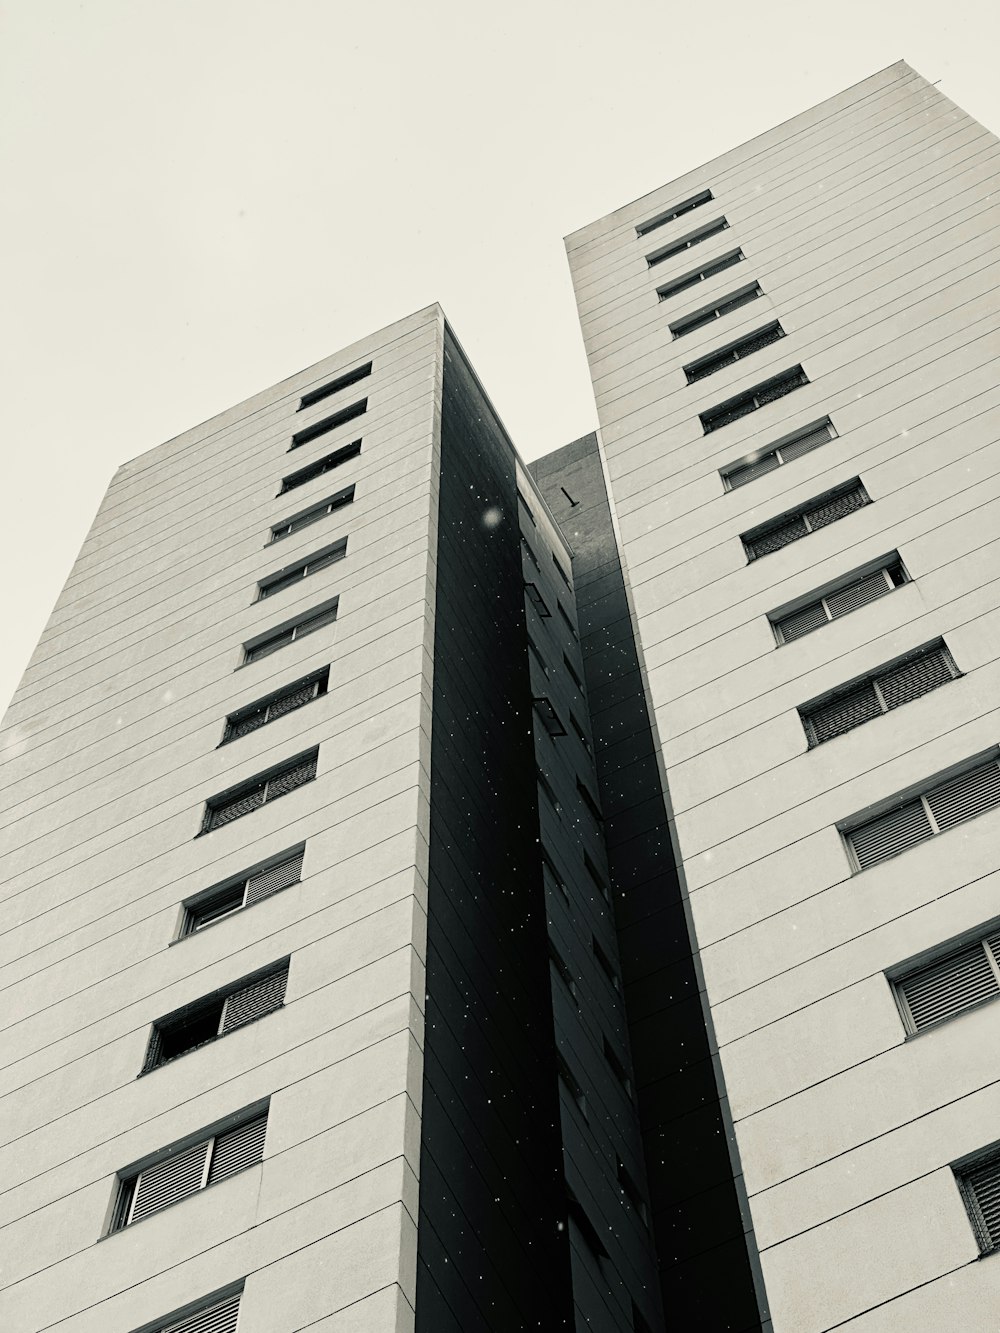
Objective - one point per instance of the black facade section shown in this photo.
(704, 1255)
(492, 1241)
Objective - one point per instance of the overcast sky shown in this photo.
(204, 196)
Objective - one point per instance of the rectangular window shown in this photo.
(536, 653)
(753, 399)
(604, 962)
(979, 1185)
(725, 305)
(692, 279)
(686, 242)
(572, 1084)
(189, 1169)
(258, 791)
(217, 1015)
(217, 1314)
(733, 352)
(551, 877)
(581, 734)
(249, 887)
(273, 706)
(536, 599)
(881, 691)
(596, 876)
(520, 496)
(526, 546)
(548, 716)
(630, 1190)
(335, 386)
(318, 428)
(565, 615)
(844, 596)
(580, 1219)
(617, 1065)
(325, 464)
(562, 969)
(677, 211)
(282, 635)
(939, 807)
(574, 675)
(762, 461)
(560, 571)
(589, 800)
(547, 789)
(313, 514)
(957, 979)
(790, 527)
(284, 578)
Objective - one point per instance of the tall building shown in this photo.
(449, 894)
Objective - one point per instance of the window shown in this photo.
(617, 1065)
(630, 1190)
(309, 433)
(526, 546)
(843, 597)
(273, 706)
(818, 513)
(562, 969)
(215, 1315)
(536, 599)
(941, 806)
(261, 790)
(979, 1185)
(572, 1084)
(692, 279)
(536, 653)
(758, 464)
(560, 571)
(677, 211)
(604, 962)
(287, 633)
(596, 876)
(548, 716)
(565, 615)
(545, 786)
(960, 978)
(909, 678)
(579, 1218)
(753, 399)
(188, 1170)
(589, 800)
(335, 386)
(325, 464)
(249, 887)
(284, 578)
(217, 1015)
(733, 352)
(313, 514)
(581, 734)
(724, 306)
(686, 242)
(551, 877)
(520, 496)
(574, 675)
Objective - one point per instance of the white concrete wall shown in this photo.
(111, 750)
(871, 222)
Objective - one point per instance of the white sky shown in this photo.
(204, 196)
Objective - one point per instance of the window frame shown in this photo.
(206, 897)
(820, 597)
(344, 381)
(263, 779)
(314, 513)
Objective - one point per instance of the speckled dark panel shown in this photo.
(492, 1254)
(705, 1265)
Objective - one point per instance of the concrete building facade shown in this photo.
(447, 894)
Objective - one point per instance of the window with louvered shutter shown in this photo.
(269, 709)
(237, 1150)
(698, 319)
(950, 984)
(325, 464)
(250, 888)
(677, 211)
(191, 1169)
(760, 463)
(886, 689)
(727, 356)
(840, 601)
(250, 796)
(979, 1185)
(254, 1001)
(217, 1315)
(687, 280)
(686, 242)
(819, 513)
(941, 806)
(714, 418)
